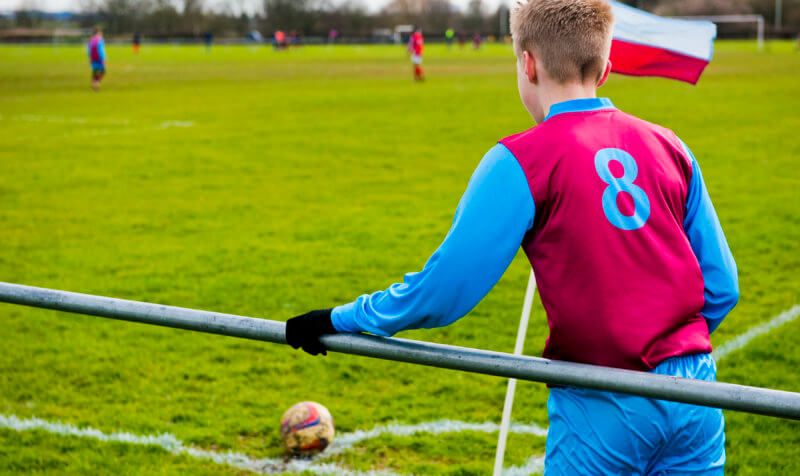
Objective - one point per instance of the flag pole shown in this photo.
(512, 382)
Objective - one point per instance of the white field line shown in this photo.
(167, 124)
(63, 119)
(173, 445)
(89, 123)
(534, 465)
(348, 440)
(342, 443)
(738, 342)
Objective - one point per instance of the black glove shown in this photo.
(304, 331)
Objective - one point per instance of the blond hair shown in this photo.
(572, 38)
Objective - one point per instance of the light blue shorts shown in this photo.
(593, 432)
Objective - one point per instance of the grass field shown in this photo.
(267, 184)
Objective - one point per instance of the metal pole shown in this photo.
(713, 394)
(760, 33)
(527, 304)
(778, 14)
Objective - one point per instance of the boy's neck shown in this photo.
(566, 92)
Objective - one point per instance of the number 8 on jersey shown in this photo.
(616, 185)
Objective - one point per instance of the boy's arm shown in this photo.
(711, 249)
(101, 50)
(492, 218)
(490, 222)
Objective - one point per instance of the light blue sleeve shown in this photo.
(490, 222)
(711, 249)
(101, 49)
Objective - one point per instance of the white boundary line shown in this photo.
(173, 445)
(343, 443)
(167, 124)
(63, 119)
(738, 342)
(92, 124)
(534, 465)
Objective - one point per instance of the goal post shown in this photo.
(757, 19)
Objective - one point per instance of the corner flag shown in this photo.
(649, 45)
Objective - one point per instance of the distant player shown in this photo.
(208, 39)
(449, 35)
(630, 259)
(137, 40)
(416, 43)
(97, 57)
(294, 39)
(280, 40)
(477, 39)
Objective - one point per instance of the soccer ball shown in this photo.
(306, 429)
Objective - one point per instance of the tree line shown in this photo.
(193, 18)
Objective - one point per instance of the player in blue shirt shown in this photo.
(96, 48)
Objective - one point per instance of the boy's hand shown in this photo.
(304, 331)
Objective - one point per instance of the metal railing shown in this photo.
(713, 394)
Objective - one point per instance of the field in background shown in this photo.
(260, 183)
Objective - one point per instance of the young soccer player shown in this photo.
(416, 44)
(280, 40)
(477, 39)
(631, 263)
(97, 57)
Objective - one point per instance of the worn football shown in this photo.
(306, 429)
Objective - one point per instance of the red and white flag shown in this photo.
(649, 45)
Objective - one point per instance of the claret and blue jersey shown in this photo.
(631, 262)
(96, 50)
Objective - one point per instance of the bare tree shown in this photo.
(163, 19)
(27, 14)
(122, 15)
(791, 12)
(291, 14)
(474, 18)
(437, 15)
(403, 11)
(193, 17)
(350, 18)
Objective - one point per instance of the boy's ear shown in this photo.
(530, 66)
(605, 74)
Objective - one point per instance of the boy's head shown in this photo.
(97, 31)
(560, 45)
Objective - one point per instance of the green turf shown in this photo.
(267, 184)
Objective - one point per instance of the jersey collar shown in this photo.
(579, 105)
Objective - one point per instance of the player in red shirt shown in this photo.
(280, 40)
(415, 46)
